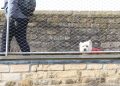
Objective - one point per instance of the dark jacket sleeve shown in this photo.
(13, 5)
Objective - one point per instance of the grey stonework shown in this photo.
(62, 31)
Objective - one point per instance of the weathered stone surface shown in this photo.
(56, 81)
(3, 83)
(70, 81)
(19, 68)
(62, 31)
(40, 67)
(11, 76)
(110, 45)
(90, 73)
(94, 66)
(111, 66)
(63, 74)
(4, 68)
(113, 26)
(53, 67)
(10, 83)
(107, 73)
(32, 75)
(75, 66)
(92, 79)
(112, 80)
(25, 83)
(35, 75)
(101, 20)
(34, 68)
(0, 76)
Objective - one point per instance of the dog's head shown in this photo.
(85, 46)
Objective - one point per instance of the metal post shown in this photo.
(7, 31)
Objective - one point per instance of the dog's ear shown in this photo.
(90, 41)
(80, 43)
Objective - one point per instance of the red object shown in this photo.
(96, 49)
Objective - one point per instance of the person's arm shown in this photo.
(13, 5)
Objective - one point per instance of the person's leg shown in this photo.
(20, 34)
(11, 34)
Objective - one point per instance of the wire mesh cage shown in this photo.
(63, 32)
(48, 31)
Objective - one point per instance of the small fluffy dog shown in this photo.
(87, 47)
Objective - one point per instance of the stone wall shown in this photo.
(62, 31)
(81, 74)
(65, 30)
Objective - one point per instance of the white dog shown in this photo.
(85, 46)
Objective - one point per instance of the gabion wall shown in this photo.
(62, 31)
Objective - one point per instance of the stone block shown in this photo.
(94, 66)
(111, 66)
(112, 80)
(32, 75)
(113, 21)
(40, 67)
(117, 20)
(53, 67)
(75, 66)
(56, 82)
(25, 83)
(63, 74)
(35, 75)
(20, 68)
(11, 76)
(101, 20)
(110, 44)
(108, 73)
(90, 73)
(34, 68)
(4, 68)
(91, 79)
(2, 83)
(114, 26)
(10, 83)
(70, 81)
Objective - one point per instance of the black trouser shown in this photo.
(17, 29)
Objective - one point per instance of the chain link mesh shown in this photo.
(52, 32)
(61, 31)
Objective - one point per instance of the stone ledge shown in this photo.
(83, 13)
(108, 55)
